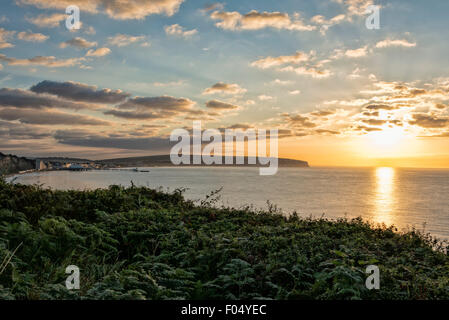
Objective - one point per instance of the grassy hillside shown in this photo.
(164, 160)
(139, 243)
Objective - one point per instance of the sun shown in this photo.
(388, 137)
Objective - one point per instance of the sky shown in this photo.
(340, 94)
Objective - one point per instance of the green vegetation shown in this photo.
(139, 243)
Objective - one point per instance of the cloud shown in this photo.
(297, 120)
(321, 20)
(170, 83)
(243, 126)
(219, 105)
(264, 97)
(48, 117)
(4, 45)
(380, 107)
(138, 115)
(294, 92)
(374, 122)
(49, 21)
(46, 61)
(4, 36)
(270, 62)
(80, 92)
(326, 24)
(355, 74)
(357, 53)
(312, 72)
(325, 131)
(395, 43)
(322, 113)
(78, 42)
(224, 88)
(16, 131)
(20, 98)
(121, 40)
(442, 135)
(115, 9)
(202, 115)
(311, 69)
(90, 30)
(352, 8)
(355, 7)
(429, 121)
(87, 139)
(281, 82)
(177, 30)
(32, 37)
(371, 114)
(367, 129)
(163, 107)
(100, 52)
(158, 103)
(255, 20)
(213, 6)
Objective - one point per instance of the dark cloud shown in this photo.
(367, 129)
(45, 61)
(86, 139)
(222, 87)
(429, 121)
(380, 107)
(137, 115)
(374, 122)
(13, 131)
(158, 103)
(322, 113)
(80, 92)
(324, 131)
(241, 126)
(144, 108)
(371, 114)
(78, 42)
(297, 120)
(20, 98)
(219, 105)
(48, 117)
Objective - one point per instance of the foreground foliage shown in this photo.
(139, 243)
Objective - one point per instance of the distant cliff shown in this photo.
(164, 161)
(12, 164)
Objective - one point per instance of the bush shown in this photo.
(138, 243)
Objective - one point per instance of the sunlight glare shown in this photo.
(387, 137)
(384, 197)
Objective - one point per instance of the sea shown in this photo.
(403, 197)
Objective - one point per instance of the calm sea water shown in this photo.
(404, 197)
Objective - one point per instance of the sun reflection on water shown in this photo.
(384, 199)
